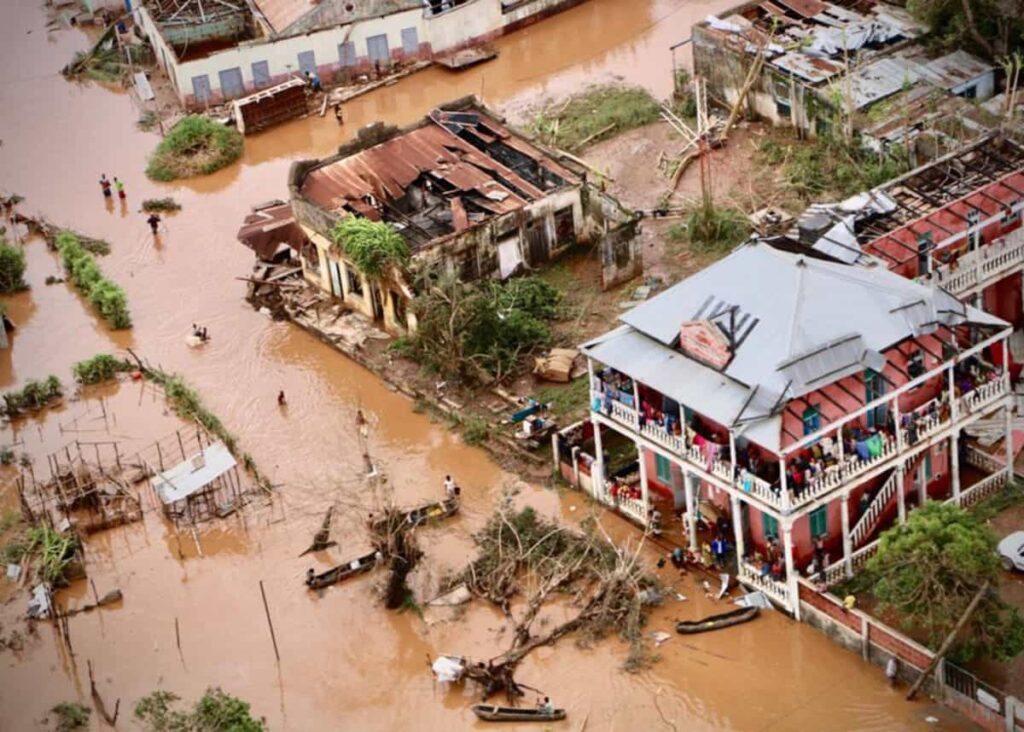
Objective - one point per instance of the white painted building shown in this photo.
(241, 50)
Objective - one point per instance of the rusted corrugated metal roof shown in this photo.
(266, 229)
(385, 171)
(806, 8)
(281, 14)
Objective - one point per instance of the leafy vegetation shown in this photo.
(475, 430)
(715, 229)
(831, 165)
(372, 246)
(70, 716)
(106, 297)
(197, 145)
(100, 367)
(479, 330)
(33, 396)
(990, 27)
(216, 711)
(929, 569)
(161, 204)
(12, 267)
(594, 114)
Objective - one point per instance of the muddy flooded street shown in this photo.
(345, 663)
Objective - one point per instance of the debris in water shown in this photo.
(458, 596)
(753, 599)
(660, 637)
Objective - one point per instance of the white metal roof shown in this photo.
(194, 474)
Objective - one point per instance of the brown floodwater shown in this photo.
(344, 662)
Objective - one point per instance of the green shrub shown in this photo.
(12, 268)
(475, 430)
(216, 711)
(71, 716)
(713, 229)
(33, 396)
(372, 246)
(100, 367)
(161, 204)
(197, 145)
(106, 297)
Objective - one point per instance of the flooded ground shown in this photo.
(344, 662)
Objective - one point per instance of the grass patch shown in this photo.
(594, 114)
(106, 297)
(33, 396)
(195, 146)
(565, 400)
(100, 367)
(995, 504)
(161, 204)
(830, 165)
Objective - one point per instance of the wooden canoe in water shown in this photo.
(434, 511)
(342, 572)
(490, 713)
(717, 622)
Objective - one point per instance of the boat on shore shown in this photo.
(717, 622)
(489, 713)
(359, 565)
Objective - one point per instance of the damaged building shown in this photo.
(821, 64)
(213, 52)
(469, 196)
(955, 222)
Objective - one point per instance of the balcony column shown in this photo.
(901, 496)
(1008, 414)
(954, 461)
(791, 578)
(897, 418)
(737, 528)
(682, 427)
(783, 488)
(691, 509)
(636, 403)
(732, 459)
(954, 403)
(641, 457)
(597, 475)
(847, 541)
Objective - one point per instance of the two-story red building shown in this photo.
(796, 396)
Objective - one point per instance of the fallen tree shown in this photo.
(525, 556)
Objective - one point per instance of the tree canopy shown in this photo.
(992, 27)
(483, 327)
(930, 568)
(372, 246)
(12, 267)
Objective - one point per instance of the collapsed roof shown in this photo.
(796, 323)
(454, 170)
(288, 16)
(938, 200)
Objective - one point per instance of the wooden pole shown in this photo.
(270, 623)
(948, 642)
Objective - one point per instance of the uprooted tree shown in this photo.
(527, 558)
(928, 571)
(393, 537)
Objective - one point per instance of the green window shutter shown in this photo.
(928, 465)
(663, 468)
(819, 521)
(770, 525)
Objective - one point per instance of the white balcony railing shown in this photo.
(869, 521)
(778, 591)
(985, 264)
(632, 507)
(921, 424)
